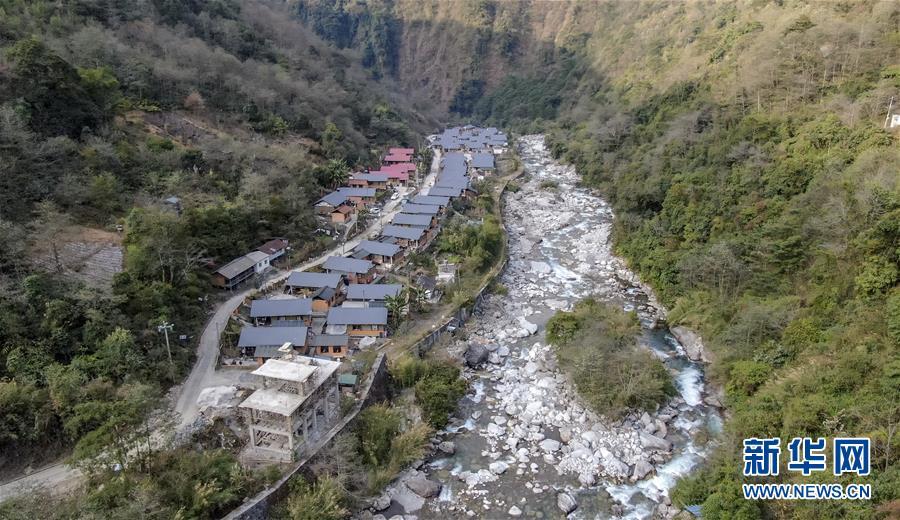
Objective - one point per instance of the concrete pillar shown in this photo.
(290, 432)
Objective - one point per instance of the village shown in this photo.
(288, 353)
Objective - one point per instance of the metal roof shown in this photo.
(444, 191)
(433, 200)
(378, 248)
(314, 280)
(357, 192)
(281, 307)
(420, 209)
(347, 265)
(357, 316)
(241, 264)
(408, 219)
(371, 177)
(482, 160)
(408, 233)
(262, 336)
(378, 291)
(335, 198)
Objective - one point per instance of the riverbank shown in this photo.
(523, 443)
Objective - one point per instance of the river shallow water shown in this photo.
(522, 436)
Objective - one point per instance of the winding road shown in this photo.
(62, 477)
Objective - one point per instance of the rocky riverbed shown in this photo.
(523, 444)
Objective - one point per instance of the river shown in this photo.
(522, 437)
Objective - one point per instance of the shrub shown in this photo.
(324, 499)
(438, 393)
(595, 345)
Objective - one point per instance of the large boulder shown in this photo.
(476, 355)
(526, 325)
(692, 343)
(654, 443)
(641, 469)
(566, 502)
(423, 487)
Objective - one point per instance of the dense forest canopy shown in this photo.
(744, 148)
(742, 145)
(107, 109)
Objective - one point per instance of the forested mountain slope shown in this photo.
(106, 109)
(756, 189)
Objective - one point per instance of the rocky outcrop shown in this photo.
(692, 343)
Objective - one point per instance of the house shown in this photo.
(331, 345)
(420, 209)
(360, 197)
(482, 162)
(357, 322)
(431, 200)
(398, 174)
(373, 295)
(325, 290)
(352, 269)
(329, 202)
(407, 152)
(379, 181)
(275, 248)
(460, 184)
(299, 402)
(342, 214)
(415, 220)
(378, 253)
(264, 342)
(233, 273)
(406, 237)
(453, 165)
(273, 311)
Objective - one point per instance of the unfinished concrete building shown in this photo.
(297, 403)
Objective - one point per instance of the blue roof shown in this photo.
(272, 336)
(409, 219)
(433, 200)
(420, 209)
(378, 248)
(377, 291)
(347, 265)
(314, 280)
(482, 160)
(408, 233)
(280, 307)
(335, 198)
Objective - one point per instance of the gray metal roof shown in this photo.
(335, 198)
(357, 316)
(408, 233)
(377, 291)
(357, 192)
(482, 160)
(460, 183)
(444, 191)
(371, 177)
(272, 336)
(378, 248)
(408, 219)
(241, 264)
(453, 164)
(433, 200)
(281, 307)
(347, 265)
(314, 280)
(420, 209)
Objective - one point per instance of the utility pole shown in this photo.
(165, 328)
